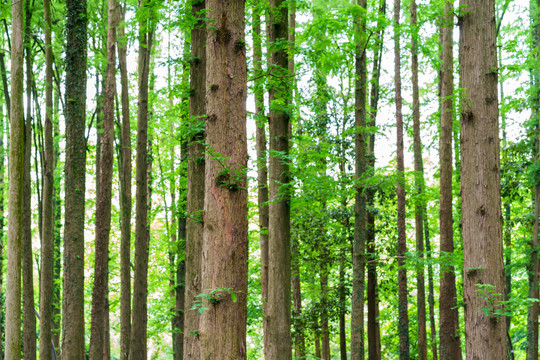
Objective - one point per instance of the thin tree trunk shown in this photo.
(360, 218)
(450, 348)
(16, 156)
(225, 240)
(57, 219)
(279, 255)
(195, 186)
(103, 207)
(374, 334)
(125, 199)
(534, 266)
(138, 341)
(29, 317)
(480, 187)
(400, 189)
(47, 254)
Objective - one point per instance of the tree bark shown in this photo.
(103, 207)
(195, 186)
(403, 327)
(279, 255)
(450, 348)
(138, 340)
(125, 200)
(225, 242)
(360, 220)
(29, 317)
(47, 254)
(16, 156)
(480, 187)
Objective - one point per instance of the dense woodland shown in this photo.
(278, 179)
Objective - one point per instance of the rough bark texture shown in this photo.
(57, 218)
(195, 186)
(419, 185)
(480, 186)
(450, 348)
(29, 317)
(75, 172)
(279, 254)
(103, 207)
(225, 243)
(373, 326)
(534, 266)
(262, 168)
(403, 327)
(360, 220)
(16, 155)
(47, 255)
(125, 200)
(138, 341)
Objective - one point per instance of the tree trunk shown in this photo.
(29, 317)
(534, 266)
(419, 184)
(195, 186)
(125, 200)
(359, 243)
(374, 333)
(480, 187)
(16, 156)
(400, 190)
(225, 243)
(47, 254)
(450, 347)
(279, 255)
(138, 340)
(262, 168)
(103, 207)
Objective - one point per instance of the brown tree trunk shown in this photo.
(403, 327)
(29, 317)
(138, 341)
(534, 266)
(47, 254)
(419, 184)
(279, 255)
(480, 186)
(16, 156)
(262, 168)
(373, 327)
(103, 207)
(225, 243)
(125, 200)
(57, 239)
(450, 348)
(360, 219)
(195, 186)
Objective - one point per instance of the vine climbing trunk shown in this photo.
(485, 327)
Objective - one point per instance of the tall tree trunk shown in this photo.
(16, 156)
(374, 333)
(2, 182)
(342, 310)
(103, 207)
(29, 317)
(534, 266)
(419, 184)
(400, 189)
(195, 186)
(480, 187)
(47, 254)
(450, 348)
(279, 255)
(225, 242)
(125, 199)
(359, 243)
(262, 168)
(138, 342)
(57, 219)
